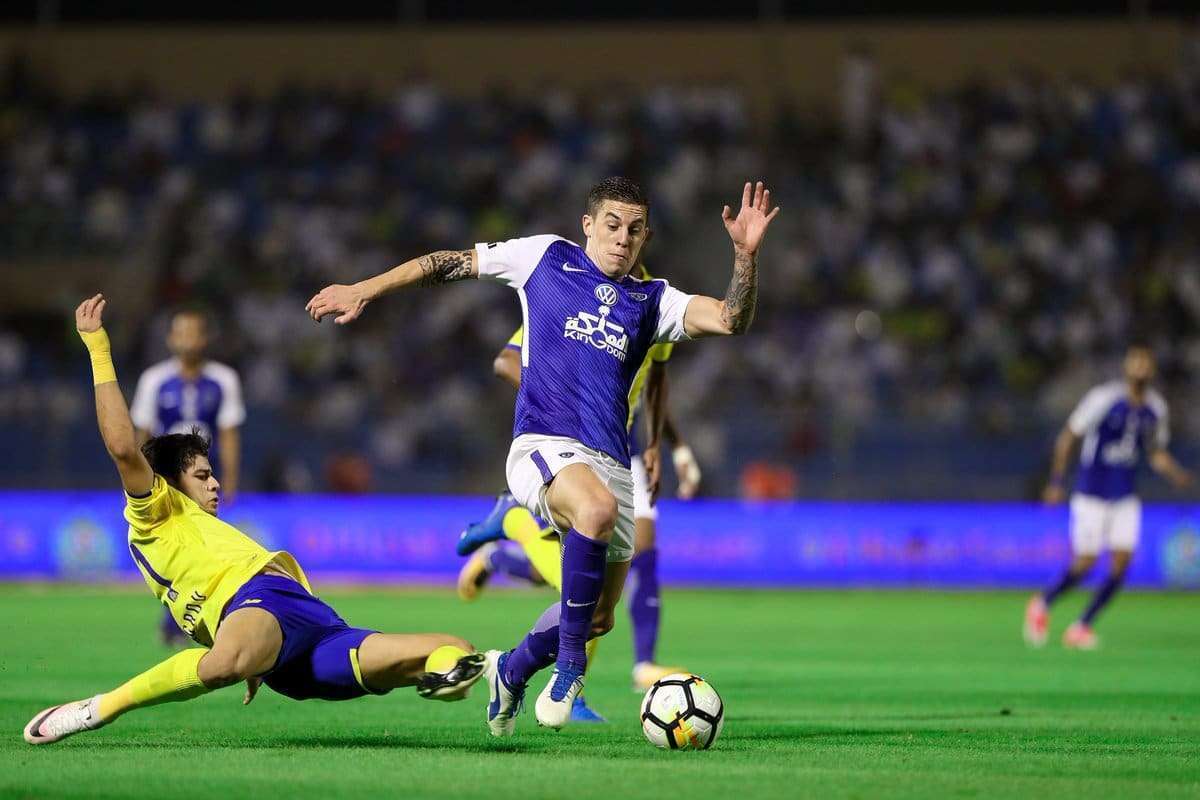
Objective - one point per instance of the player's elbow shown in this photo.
(123, 452)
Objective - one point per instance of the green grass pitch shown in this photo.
(827, 694)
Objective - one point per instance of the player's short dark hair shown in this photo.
(616, 188)
(171, 454)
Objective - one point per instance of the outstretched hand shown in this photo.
(345, 301)
(749, 227)
(89, 315)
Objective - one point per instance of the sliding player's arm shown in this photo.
(116, 428)
(348, 302)
(731, 316)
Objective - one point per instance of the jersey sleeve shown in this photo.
(671, 309)
(1091, 410)
(512, 262)
(151, 510)
(1162, 426)
(517, 340)
(232, 412)
(141, 411)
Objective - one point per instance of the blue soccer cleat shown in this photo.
(490, 529)
(556, 703)
(504, 702)
(582, 712)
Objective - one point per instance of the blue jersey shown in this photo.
(166, 403)
(1117, 436)
(586, 335)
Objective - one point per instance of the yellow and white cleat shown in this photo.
(475, 573)
(647, 673)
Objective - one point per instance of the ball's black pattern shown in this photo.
(692, 711)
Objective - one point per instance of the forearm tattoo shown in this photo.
(742, 295)
(444, 266)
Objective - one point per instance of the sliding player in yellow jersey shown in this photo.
(252, 611)
(537, 559)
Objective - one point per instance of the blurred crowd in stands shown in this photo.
(952, 270)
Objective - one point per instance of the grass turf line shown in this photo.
(828, 695)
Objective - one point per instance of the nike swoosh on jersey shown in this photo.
(573, 604)
(569, 268)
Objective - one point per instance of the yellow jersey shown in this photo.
(660, 353)
(192, 561)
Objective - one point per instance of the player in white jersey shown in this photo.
(189, 392)
(1120, 424)
(588, 326)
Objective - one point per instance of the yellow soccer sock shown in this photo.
(521, 526)
(590, 649)
(172, 680)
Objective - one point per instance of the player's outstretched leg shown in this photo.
(389, 661)
(509, 672)
(1037, 610)
(247, 644)
(489, 529)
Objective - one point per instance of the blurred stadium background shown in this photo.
(981, 211)
(982, 207)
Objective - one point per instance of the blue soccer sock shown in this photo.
(1102, 597)
(1065, 582)
(509, 559)
(583, 561)
(536, 651)
(644, 605)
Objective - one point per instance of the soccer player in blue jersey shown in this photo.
(588, 326)
(1121, 424)
(189, 392)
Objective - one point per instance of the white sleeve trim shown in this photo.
(1091, 409)
(672, 308)
(232, 412)
(513, 261)
(145, 397)
(1162, 429)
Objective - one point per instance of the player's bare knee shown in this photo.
(597, 517)
(218, 669)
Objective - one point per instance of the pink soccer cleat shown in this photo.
(1037, 620)
(1079, 636)
(58, 722)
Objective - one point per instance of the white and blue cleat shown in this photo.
(555, 703)
(504, 702)
(582, 712)
(489, 529)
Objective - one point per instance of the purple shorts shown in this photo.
(319, 656)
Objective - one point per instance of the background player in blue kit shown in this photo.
(588, 326)
(189, 392)
(1121, 424)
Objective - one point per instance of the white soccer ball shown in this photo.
(682, 712)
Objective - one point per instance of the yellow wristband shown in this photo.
(100, 351)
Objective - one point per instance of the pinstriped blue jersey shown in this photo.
(586, 335)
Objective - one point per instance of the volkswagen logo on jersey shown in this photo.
(606, 294)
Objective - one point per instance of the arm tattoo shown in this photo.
(741, 297)
(444, 266)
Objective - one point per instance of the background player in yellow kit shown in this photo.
(252, 610)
